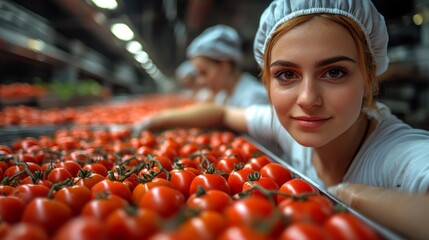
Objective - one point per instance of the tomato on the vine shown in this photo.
(82, 227)
(279, 173)
(181, 180)
(48, 213)
(112, 187)
(214, 200)
(102, 206)
(304, 231)
(344, 225)
(132, 223)
(311, 209)
(166, 201)
(11, 209)
(296, 187)
(209, 181)
(237, 178)
(74, 196)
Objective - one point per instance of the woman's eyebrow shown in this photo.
(284, 63)
(334, 60)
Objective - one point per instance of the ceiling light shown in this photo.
(106, 4)
(134, 47)
(122, 31)
(142, 57)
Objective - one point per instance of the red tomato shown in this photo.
(104, 205)
(304, 231)
(207, 225)
(142, 188)
(59, 174)
(28, 192)
(249, 211)
(209, 181)
(279, 173)
(306, 210)
(242, 232)
(256, 163)
(48, 213)
(11, 209)
(70, 165)
(96, 168)
(181, 180)
(88, 179)
(264, 182)
(227, 164)
(236, 152)
(237, 178)
(25, 231)
(112, 187)
(347, 226)
(74, 196)
(82, 228)
(296, 187)
(214, 200)
(164, 200)
(188, 149)
(132, 223)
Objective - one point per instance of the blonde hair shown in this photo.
(366, 59)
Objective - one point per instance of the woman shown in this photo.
(216, 55)
(186, 77)
(319, 61)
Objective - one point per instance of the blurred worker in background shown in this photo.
(189, 87)
(216, 55)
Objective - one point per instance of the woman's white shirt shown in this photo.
(394, 156)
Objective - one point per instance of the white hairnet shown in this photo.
(363, 12)
(219, 42)
(185, 69)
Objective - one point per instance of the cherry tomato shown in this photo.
(11, 209)
(28, 192)
(242, 232)
(213, 200)
(181, 180)
(102, 206)
(256, 163)
(305, 210)
(347, 226)
(74, 196)
(304, 231)
(296, 187)
(132, 223)
(164, 200)
(48, 213)
(59, 174)
(255, 181)
(279, 173)
(227, 164)
(209, 181)
(207, 225)
(113, 187)
(82, 228)
(71, 166)
(237, 178)
(24, 231)
(141, 189)
(96, 168)
(88, 179)
(252, 211)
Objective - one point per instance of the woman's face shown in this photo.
(210, 74)
(316, 85)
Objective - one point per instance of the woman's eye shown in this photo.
(335, 73)
(285, 75)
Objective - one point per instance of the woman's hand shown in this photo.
(403, 213)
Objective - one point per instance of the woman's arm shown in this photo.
(203, 115)
(404, 213)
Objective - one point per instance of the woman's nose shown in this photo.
(309, 94)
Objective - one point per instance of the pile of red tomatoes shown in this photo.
(196, 184)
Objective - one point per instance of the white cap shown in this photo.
(219, 42)
(363, 12)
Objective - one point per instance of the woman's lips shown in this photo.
(310, 122)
